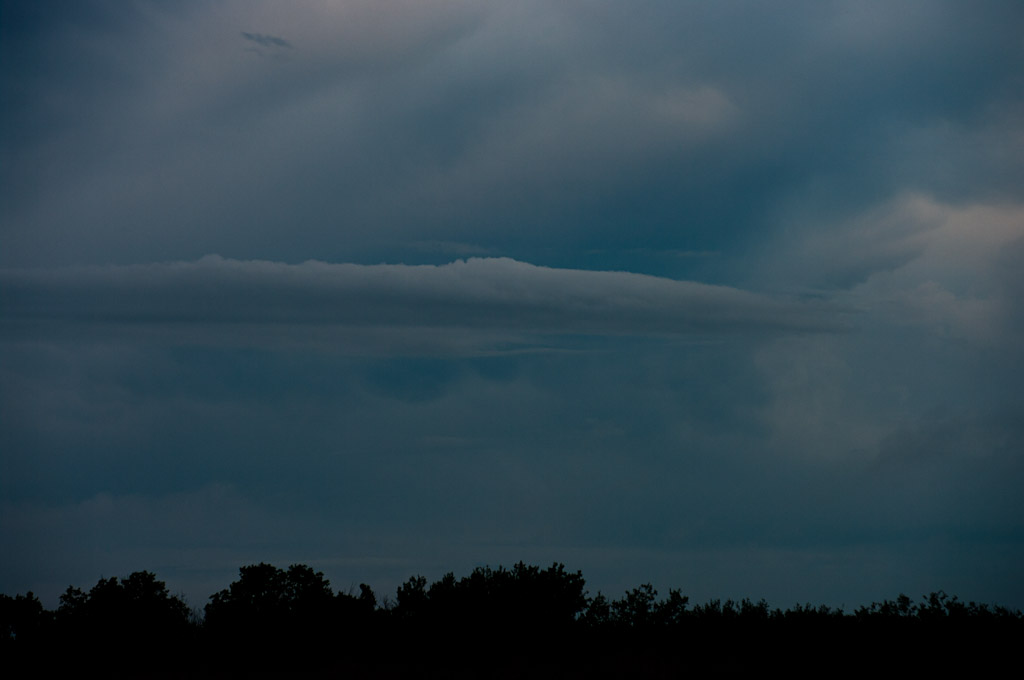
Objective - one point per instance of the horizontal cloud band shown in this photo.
(487, 293)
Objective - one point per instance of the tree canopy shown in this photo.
(273, 618)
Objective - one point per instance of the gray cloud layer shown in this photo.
(539, 131)
(476, 293)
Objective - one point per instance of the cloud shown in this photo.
(845, 253)
(914, 260)
(522, 130)
(964, 277)
(267, 40)
(494, 294)
(940, 328)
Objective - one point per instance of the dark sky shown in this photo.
(722, 296)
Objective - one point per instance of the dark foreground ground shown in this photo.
(802, 650)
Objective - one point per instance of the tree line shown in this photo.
(272, 618)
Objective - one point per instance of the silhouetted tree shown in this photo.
(598, 612)
(636, 609)
(268, 604)
(672, 610)
(128, 623)
(22, 619)
(518, 599)
(411, 598)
